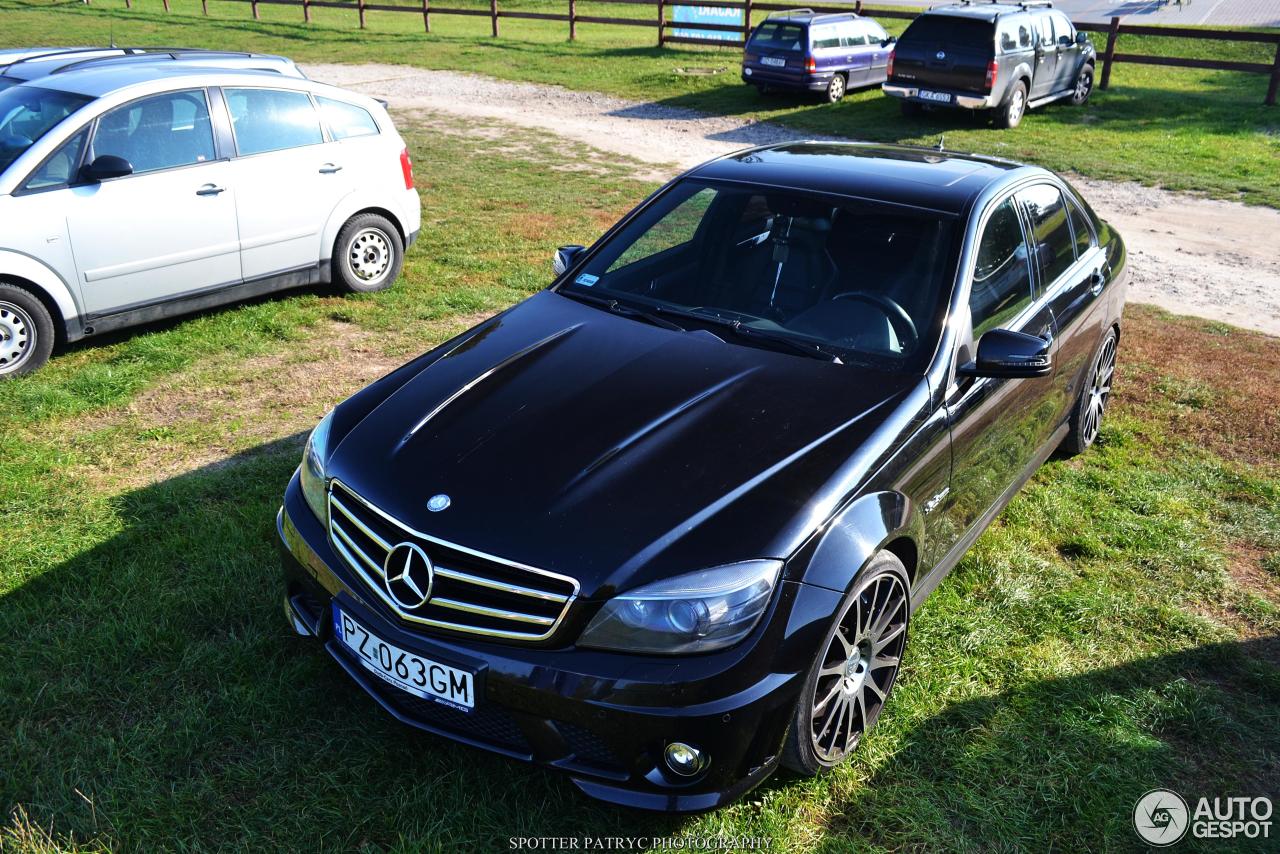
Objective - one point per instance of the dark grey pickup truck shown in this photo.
(1002, 57)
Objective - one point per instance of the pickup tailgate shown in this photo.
(945, 52)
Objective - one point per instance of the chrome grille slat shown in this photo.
(358, 530)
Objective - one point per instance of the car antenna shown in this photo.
(942, 137)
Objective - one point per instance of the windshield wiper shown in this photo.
(625, 310)
(795, 345)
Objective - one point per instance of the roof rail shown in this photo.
(171, 53)
(789, 12)
(65, 52)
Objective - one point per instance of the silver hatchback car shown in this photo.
(133, 191)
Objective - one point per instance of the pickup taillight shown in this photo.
(992, 68)
(810, 66)
(406, 167)
(888, 71)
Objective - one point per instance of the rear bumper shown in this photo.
(602, 718)
(806, 82)
(967, 101)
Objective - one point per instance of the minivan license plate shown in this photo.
(406, 670)
(775, 61)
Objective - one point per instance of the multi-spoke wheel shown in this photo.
(1086, 418)
(1084, 86)
(1009, 114)
(855, 671)
(26, 331)
(368, 254)
(835, 89)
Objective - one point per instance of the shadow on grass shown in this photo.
(151, 695)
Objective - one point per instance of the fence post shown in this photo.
(746, 22)
(360, 9)
(662, 21)
(1274, 85)
(166, 5)
(857, 8)
(1110, 54)
(255, 10)
(426, 15)
(204, 8)
(573, 19)
(493, 14)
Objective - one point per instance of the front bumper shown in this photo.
(958, 99)
(603, 718)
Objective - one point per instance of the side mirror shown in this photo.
(889, 41)
(566, 257)
(1005, 354)
(1082, 39)
(107, 166)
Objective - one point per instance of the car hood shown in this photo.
(594, 445)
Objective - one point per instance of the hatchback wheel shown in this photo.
(1084, 86)
(367, 255)
(1086, 418)
(26, 332)
(835, 89)
(856, 667)
(1009, 114)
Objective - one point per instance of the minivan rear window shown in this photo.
(780, 36)
(950, 30)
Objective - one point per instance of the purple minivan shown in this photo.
(804, 51)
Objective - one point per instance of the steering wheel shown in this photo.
(903, 326)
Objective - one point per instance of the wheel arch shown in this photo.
(48, 287)
(875, 522)
(353, 206)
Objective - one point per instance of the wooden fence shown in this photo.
(661, 22)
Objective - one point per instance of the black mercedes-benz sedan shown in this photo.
(663, 525)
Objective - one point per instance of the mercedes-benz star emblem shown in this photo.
(408, 575)
(942, 54)
(439, 502)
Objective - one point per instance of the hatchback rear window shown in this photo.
(950, 30)
(780, 36)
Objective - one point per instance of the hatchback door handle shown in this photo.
(330, 168)
(210, 190)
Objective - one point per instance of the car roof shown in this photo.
(926, 178)
(96, 81)
(987, 11)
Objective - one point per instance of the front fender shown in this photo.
(858, 533)
(43, 278)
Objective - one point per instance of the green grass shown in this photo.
(1203, 131)
(1096, 643)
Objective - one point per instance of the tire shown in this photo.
(910, 109)
(1086, 417)
(368, 254)
(26, 332)
(1010, 113)
(835, 89)
(850, 682)
(1084, 86)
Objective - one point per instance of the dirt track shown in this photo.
(1213, 259)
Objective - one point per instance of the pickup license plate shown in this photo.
(775, 61)
(407, 671)
(940, 97)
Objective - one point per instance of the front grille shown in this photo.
(471, 592)
(586, 745)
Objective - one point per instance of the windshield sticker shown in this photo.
(586, 279)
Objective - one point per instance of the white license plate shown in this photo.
(941, 97)
(408, 671)
(776, 62)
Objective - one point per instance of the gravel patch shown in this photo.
(1190, 255)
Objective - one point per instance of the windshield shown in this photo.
(863, 280)
(27, 113)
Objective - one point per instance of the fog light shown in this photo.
(684, 760)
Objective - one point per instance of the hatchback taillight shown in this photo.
(888, 71)
(810, 65)
(992, 68)
(406, 166)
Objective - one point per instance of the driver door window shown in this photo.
(160, 132)
(1002, 273)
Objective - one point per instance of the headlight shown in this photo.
(311, 473)
(698, 612)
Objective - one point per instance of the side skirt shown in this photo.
(930, 582)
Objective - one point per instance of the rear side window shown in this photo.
(1015, 36)
(347, 120)
(1080, 228)
(1054, 247)
(780, 36)
(950, 30)
(826, 35)
(272, 119)
(160, 132)
(1002, 275)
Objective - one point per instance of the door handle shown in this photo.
(1096, 282)
(330, 168)
(210, 190)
